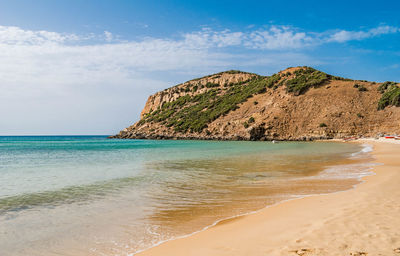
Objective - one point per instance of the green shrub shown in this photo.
(384, 86)
(391, 97)
(362, 88)
(211, 85)
(272, 80)
(246, 125)
(255, 102)
(304, 79)
(234, 72)
(322, 125)
(261, 90)
(251, 120)
(340, 78)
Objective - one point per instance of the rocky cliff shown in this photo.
(298, 103)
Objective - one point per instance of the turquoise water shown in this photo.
(97, 196)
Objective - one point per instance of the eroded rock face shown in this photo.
(168, 95)
(257, 132)
(334, 108)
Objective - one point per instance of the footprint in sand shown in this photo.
(303, 251)
(358, 254)
(397, 250)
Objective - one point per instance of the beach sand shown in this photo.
(360, 221)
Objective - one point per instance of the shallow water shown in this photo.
(93, 196)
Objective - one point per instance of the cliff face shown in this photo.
(295, 104)
(194, 87)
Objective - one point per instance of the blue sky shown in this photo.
(87, 67)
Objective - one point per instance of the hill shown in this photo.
(299, 103)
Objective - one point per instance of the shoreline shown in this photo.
(294, 197)
(143, 136)
(207, 241)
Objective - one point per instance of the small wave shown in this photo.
(348, 171)
(366, 148)
(65, 195)
(352, 171)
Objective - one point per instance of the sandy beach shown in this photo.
(360, 221)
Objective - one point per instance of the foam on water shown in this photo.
(352, 171)
(366, 148)
(348, 171)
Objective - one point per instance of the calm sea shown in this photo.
(89, 195)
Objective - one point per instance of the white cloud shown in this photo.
(278, 38)
(344, 35)
(109, 36)
(208, 38)
(10, 35)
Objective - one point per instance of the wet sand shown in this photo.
(360, 221)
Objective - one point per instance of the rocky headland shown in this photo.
(298, 103)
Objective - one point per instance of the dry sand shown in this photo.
(361, 221)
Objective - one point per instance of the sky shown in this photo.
(87, 67)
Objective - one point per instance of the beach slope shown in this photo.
(360, 221)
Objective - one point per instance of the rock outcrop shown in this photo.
(295, 104)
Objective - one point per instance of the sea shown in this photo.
(89, 195)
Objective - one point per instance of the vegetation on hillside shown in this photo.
(194, 113)
(224, 72)
(304, 79)
(205, 102)
(360, 87)
(390, 95)
(384, 86)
